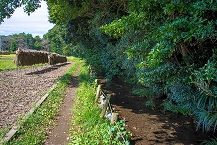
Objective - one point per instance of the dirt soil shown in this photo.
(152, 126)
(20, 90)
(59, 135)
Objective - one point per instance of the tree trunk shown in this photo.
(184, 52)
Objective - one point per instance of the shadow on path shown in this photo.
(47, 69)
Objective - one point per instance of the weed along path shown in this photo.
(59, 135)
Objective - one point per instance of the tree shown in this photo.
(37, 42)
(13, 46)
(23, 40)
(176, 55)
(56, 38)
(37, 38)
(7, 7)
(29, 41)
(81, 30)
(37, 45)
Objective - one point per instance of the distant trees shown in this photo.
(22, 40)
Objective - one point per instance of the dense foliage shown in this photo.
(7, 7)
(177, 53)
(165, 47)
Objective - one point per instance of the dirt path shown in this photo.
(152, 126)
(59, 134)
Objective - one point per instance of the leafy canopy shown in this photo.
(7, 7)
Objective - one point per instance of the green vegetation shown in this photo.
(88, 127)
(3, 132)
(13, 46)
(6, 62)
(164, 48)
(8, 7)
(212, 142)
(33, 130)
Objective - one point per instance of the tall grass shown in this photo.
(33, 131)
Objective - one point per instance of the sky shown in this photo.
(35, 24)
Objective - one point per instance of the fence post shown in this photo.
(105, 106)
(114, 118)
(98, 92)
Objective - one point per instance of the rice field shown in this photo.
(6, 62)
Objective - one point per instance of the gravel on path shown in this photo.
(20, 90)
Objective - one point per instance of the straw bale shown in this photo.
(30, 57)
(54, 58)
(51, 59)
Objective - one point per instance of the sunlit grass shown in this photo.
(6, 62)
(87, 126)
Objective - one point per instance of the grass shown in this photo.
(3, 132)
(6, 62)
(87, 126)
(33, 130)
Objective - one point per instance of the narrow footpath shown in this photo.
(59, 135)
